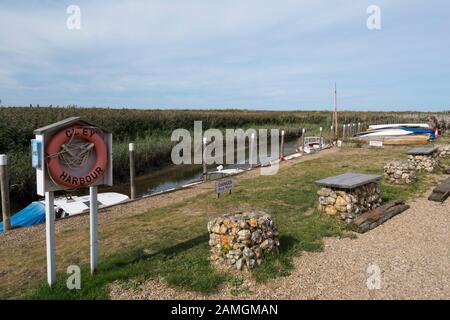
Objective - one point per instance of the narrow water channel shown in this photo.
(169, 177)
(176, 176)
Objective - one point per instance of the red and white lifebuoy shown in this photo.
(57, 171)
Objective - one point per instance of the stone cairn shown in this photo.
(348, 204)
(240, 240)
(397, 172)
(423, 162)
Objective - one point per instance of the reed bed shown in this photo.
(150, 130)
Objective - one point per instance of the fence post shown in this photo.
(4, 189)
(282, 145)
(359, 127)
(343, 132)
(131, 149)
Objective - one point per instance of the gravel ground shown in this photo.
(412, 251)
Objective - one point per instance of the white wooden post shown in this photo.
(50, 237)
(303, 139)
(343, 132)
(251, 154)
(132, 171)
(331, 135)
(282, 145)
(321, 137)
(359, 127)
(205, 170)
(93, 220)
(4, 190)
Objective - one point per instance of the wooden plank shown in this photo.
(372, 219)
(441, 192)
(423, 151)
(348, 180)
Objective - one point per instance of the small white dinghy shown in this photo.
(399, 125)
(65, 207)
(221, 173)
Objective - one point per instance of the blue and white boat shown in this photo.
(34, 213)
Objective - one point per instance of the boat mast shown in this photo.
(335, 114)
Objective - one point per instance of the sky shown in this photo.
(250, 54)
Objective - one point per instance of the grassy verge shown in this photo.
(171, 242)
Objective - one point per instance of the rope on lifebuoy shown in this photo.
(74, 154)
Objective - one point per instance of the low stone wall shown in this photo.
(241, 239)
(348, 204)
(397, 172)
(423, 162)
(444, 151)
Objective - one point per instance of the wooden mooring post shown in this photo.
(321, 138)
(4, 189)
(331, 135)
(253, 154)
(205, 169)
(131, 149)
(303, 139)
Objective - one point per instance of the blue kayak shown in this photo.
(33, 214)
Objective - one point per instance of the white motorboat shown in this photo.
(74, 205)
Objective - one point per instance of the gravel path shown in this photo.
(412, 251)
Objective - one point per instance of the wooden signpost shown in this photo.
(376, 143)
(71, 154)
(224, 186)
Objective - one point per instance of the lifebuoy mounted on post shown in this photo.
(63, 154)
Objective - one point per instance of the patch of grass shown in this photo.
(185, 265)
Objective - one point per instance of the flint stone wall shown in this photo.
(444, 151)
(423, 162)
(397, 172)
(348, 204)
(241, 240)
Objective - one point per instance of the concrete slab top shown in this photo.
(422, 151)
(348, 180)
